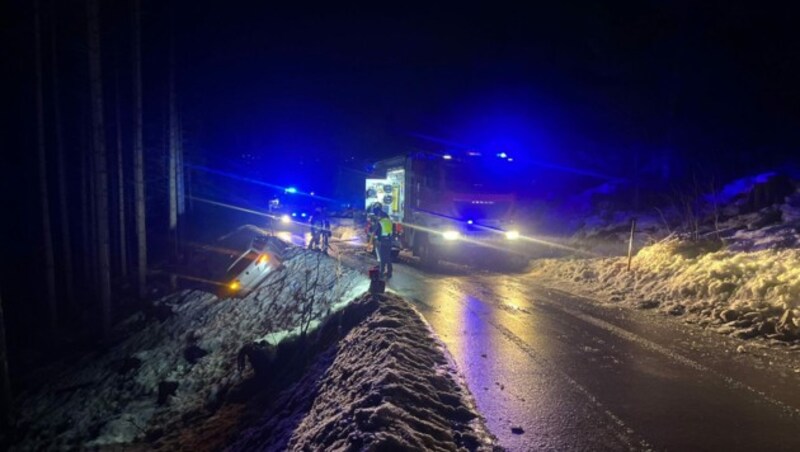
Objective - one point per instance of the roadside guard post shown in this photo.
(630, 242)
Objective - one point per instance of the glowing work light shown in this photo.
(451, 235)
(512, 235)
(234, 286)
(285, 219)
(447, 156)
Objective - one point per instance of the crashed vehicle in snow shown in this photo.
(250, 269)
(449, 207)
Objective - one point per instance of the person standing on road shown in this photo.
(320, 231)
(373, 217)
(383, 232)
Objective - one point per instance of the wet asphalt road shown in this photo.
(575, 374)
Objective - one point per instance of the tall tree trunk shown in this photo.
(173, 158)
(123, 242)
(86, 217)
(5, 380)
(93, 244)
(180, 172)
(138, 155)
(66, 236)
(189, 202)
(101, 167)
(47, 235)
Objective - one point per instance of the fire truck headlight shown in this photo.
(285, 219)
(512, 235)
(451, 235)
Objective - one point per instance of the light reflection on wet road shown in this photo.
(577, 376)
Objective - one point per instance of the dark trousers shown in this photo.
(319, 239)
(385, 255)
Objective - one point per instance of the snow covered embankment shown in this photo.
(183, 361)
(746, 294)
(387, 385)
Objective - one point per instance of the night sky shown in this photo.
(555, 82)
(576, 83)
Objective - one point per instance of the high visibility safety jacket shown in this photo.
(386, 227)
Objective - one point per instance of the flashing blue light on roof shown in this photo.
(303, 214)
(294, 214)
(470, 221)
(510, 159)
(447, 156)
(474, 154)
(290, 190)
(502, 155)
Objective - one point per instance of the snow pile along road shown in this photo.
(746, 294)
(733, 267)
(345, 230)
(387, 385)
(180, 359)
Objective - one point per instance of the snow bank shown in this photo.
(387, 385)
(346, 230)
(749, 214)
(180, 358)
(746, 294)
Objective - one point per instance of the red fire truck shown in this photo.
(449, 207)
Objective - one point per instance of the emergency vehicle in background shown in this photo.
(448, 207)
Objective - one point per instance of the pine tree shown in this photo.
(138, 155)
(123, 241)
(66, 235)
(47, 235)
(5, 380)
(100, 167)
(173, 158)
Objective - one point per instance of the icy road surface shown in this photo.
(577, 375)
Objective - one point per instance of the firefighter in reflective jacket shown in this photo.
(382, 232)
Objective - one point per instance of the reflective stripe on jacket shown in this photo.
(386, 227)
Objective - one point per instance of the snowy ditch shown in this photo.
(181, 360)
(306, 362)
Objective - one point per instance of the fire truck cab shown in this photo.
(447, 208)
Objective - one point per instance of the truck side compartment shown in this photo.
(441, 216)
